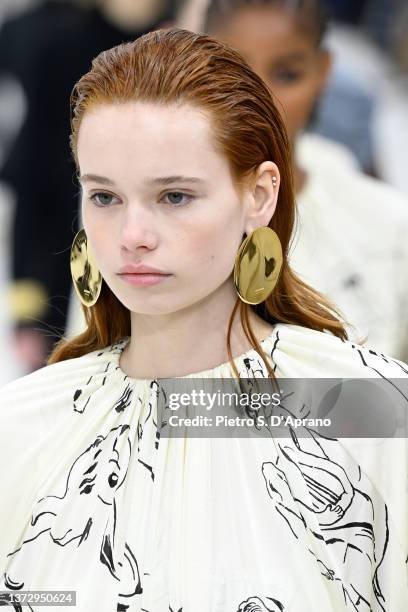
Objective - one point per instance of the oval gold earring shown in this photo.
(257, 265)
(86, 277)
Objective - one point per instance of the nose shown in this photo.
(138, 229)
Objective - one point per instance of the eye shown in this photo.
(113, 480)
(102, 199)
(175, 198)
(287, 76)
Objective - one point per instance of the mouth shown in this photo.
(143, 278)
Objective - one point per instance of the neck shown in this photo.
(190, 340)
(299, 174)
(299, 177)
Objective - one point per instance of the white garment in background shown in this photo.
(351, 243)
(356, 54)
(95, 501)
(390, 131)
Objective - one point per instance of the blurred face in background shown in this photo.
(284, 55)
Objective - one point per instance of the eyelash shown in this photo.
(103, 193)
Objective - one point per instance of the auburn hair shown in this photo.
(175, 66)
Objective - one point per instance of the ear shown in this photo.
(262, 196)
(325, 64)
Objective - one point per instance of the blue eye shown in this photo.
(102, 199)
(176, 198)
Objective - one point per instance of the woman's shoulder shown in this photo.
(59, 378)
(299, 351)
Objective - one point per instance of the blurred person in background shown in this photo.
(351, 241)
(367, 51)
(400, 41)
(349, 11)
(377, 19)
(191, 14)
(12, 7)
(47, 49)
(361, 39)
(11, 115)
(354, 130)
(344, 90)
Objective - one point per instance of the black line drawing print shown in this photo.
(125, 399)
(6, 599)
(355, 530)
(96, 474)
(155, 390)
(372, 359)
(83, 395)
(256, 604)
(253, 367)
(81, 398)
(274, 348)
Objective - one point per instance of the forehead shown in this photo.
(265, 29)
(137, 123)
(143, 134)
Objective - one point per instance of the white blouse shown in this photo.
(94, 500)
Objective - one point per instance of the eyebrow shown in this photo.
(164, 180)
(94, 177)
(294, 57)
(167, 180)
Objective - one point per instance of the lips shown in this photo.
(141, 269)
(142, 275)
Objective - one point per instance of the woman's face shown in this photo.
(155, 192)
(285, 57)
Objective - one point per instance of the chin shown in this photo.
(145, 301)
(152, 307)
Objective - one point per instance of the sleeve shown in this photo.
(36, 417)
(21, 459)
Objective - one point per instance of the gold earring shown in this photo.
(257, 265)
(85, 274)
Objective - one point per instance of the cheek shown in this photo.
(99, 233)
(298, 102)
(211, 249)
(88, 221)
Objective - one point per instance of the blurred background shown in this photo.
(357, 122)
